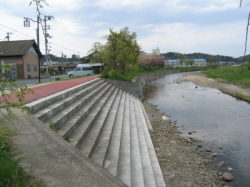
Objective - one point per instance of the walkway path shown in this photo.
(44, 90)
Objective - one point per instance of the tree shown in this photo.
(96, 52)
(151, 60)
(12, 95)
(181, 62)
(120, 53)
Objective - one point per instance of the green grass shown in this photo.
(11, 173)
(239, 75)
(183, 69)
(57, 79)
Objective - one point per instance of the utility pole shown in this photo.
(27, 24)
(8, 36)
(46, 35)
(62, 65)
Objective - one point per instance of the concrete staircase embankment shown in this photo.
(106, 124)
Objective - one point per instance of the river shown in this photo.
(220, 121)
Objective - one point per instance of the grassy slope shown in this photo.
(234, 74)
(237, 75)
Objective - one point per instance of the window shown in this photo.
(78, 69)
(12, 70)
(28, 68)
(35, 68)
(87, 68)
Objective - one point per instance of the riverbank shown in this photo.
(181, 162)
(200, 79)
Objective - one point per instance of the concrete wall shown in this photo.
(136, 87)
(32, 59)
(21, 65)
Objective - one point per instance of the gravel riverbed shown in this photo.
(181, 162)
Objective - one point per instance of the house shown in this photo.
(225, 63)
(173, 63)
(200, 62)
(23, 55)
(70, 66)
(185, 63)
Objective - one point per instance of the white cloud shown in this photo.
(65, 5)
(189, 38)
(209, 26)
(202, 6)
(114, 4)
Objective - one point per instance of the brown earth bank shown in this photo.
(182, 163)
(200, 79)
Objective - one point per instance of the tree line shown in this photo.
(208, 57)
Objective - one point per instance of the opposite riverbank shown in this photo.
(200, 79)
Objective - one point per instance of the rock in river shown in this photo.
(227, 176)
(165, 118)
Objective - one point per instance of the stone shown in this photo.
(230, 169)
(220, 164)
(215, 154)
(227, 176)
(157, 149)
(208, 150)
(165, 118)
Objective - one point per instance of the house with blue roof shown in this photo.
(173, 63)
(200, 62)
(181, 63)
(225, 63)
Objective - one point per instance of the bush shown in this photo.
(57, 79)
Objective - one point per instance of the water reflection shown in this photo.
(220, 121)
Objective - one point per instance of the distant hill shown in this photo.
(208, 57)
(247, 58)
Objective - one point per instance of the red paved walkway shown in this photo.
(49, 89)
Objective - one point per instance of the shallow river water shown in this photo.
(220, 121)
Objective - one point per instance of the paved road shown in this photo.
(34, 81)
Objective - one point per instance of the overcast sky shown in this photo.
(185, 26)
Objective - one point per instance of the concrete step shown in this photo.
(84, 127)
(137, 178)
(92, 138)
(47, 101)
(158, 177)
(112, 157)
(124, 163)
(56, 107)
(145, 158)
(109, 128)
(71, 124)
(64, 115)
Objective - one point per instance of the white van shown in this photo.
(81, 69)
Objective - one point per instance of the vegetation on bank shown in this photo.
(129, 76)
(238, 75)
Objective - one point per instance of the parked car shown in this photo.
(81, 69)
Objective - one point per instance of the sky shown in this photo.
(184, 26)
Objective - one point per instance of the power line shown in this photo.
(14, 30)
(66, 48)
